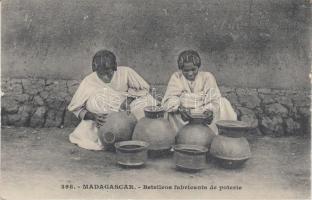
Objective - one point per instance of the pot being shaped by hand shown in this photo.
(196, 132)
(119, 126)
(230, 148)
(154, 129)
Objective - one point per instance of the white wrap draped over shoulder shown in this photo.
(200, 94)
(95, 96)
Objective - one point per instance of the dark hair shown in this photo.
(188, 56)
(104, 58)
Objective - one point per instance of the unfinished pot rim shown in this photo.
(233, 124)
(142, 145)
(190, 149)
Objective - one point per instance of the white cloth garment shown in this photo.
(201, 94)
(95, 96)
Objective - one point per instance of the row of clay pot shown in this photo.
(229, 147)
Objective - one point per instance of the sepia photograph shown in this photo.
(155, 99)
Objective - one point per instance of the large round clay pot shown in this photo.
(119, 126)
(230, 148)
(230, 152)
(196, 133)
(154, 129)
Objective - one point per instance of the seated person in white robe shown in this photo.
(190, 90)
(108, 89)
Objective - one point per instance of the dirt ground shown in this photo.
(36, 163)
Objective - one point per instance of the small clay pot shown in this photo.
(190, 157)
(131, 153)
(154, 112)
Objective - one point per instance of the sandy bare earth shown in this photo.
(37, 163)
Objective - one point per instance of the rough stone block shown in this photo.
(248, 115)
(276, 109)
(265, 90)
(54, 118)
(56, 96)
(279, 92)
(246, 111)
(242, 91)
(13, 119)
(22, 98)
(56, 102)
(249, 101)
(62, 94)
(291, 92)
(259, 111)
(304, 112)
(44, 95)
(285, 101)
(246, 91)
(38, 100)
(38, 118)
(301, 100)
(9, 105)
(267, 98)
(68, 99)
(33, 86)
(272, 126)
(12, 87)
(24, 113)
(292, 127)
(252, 120)
(56, 86)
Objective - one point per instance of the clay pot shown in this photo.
(154, 129)
(190, 157)
(131, 153)
(230, 148)
(196, 133)
(230, 152)
(233, 129)
(119, 126)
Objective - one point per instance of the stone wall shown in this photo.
(264, 41)
(42, 103)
